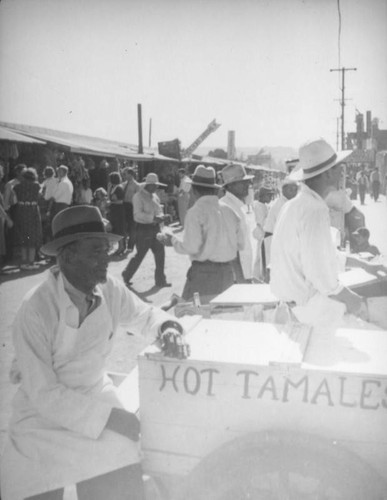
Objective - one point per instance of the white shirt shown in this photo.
(49, 186)
(185, 185)
(63, 192)
(303, 257)
(61, 408)
(245, 255)
(146, 206)
(339, 204)
(274, 211)
(211, 232)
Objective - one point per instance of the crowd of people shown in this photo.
(70, 426)
(30, 201)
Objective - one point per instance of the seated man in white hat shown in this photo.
(236, 184)
(304, 264)
(212, 237)
(148, 214)
(69, 425)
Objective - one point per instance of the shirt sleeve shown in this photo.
(53, 401)
(192, 236)
(142, 318)
(318, 254)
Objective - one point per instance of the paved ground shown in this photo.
(15, 285)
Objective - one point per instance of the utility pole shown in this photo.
(343, 70)
(139, 123)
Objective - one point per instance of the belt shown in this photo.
(210, 263)
(151, 224)
(27, 203)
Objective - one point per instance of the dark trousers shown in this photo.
(146, 240)
(121, 484)
(58, 207)
(208, 279)
(375, 190)
(362, 193)
(130, 225)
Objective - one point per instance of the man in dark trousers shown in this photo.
(148, 214)
(131, 187)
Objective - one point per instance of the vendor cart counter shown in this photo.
(258, 386)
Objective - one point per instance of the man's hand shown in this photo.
(159, 218)
(378, 270)
(125, 423)
(172, 342)
(165, 239)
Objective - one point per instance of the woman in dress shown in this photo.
(28, 224)
(116, 208)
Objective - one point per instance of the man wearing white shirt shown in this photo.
(63, 192)
(183, 195)
(236, 184)
(304, 265)
(212, 237)
(288, 191)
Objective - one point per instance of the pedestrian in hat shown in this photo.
(263, 197)
(69, 424)
(236, 185)
(148, 215)
(304, 261)
(289, 189)
(212, 237)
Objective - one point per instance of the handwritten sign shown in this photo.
(365, 393)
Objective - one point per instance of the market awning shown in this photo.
(83, 144)
(11, 136)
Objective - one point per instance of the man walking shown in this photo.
(148, 214)
(236, 184)
(131, 187)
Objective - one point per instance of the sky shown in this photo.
(259, 67)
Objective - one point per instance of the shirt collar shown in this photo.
(234, 199)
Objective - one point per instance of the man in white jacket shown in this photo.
(236, 184)
(304, 261)
(69, 425)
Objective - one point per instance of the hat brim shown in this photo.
(203, 184)
(52, 247)
(246, 177)
(298, 173)
(143, 184)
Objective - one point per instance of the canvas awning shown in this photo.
(83, 144)
(11, 136)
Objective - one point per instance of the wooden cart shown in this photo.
(263, 411)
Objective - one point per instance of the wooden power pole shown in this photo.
(342, 102)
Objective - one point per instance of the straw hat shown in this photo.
(316, 157)
(205, 177)
(235, 173)
(152, 178)
(76, 223)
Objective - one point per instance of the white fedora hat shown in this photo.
(205, 177)
(235, 173)
(316, 156)
(153, 178)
